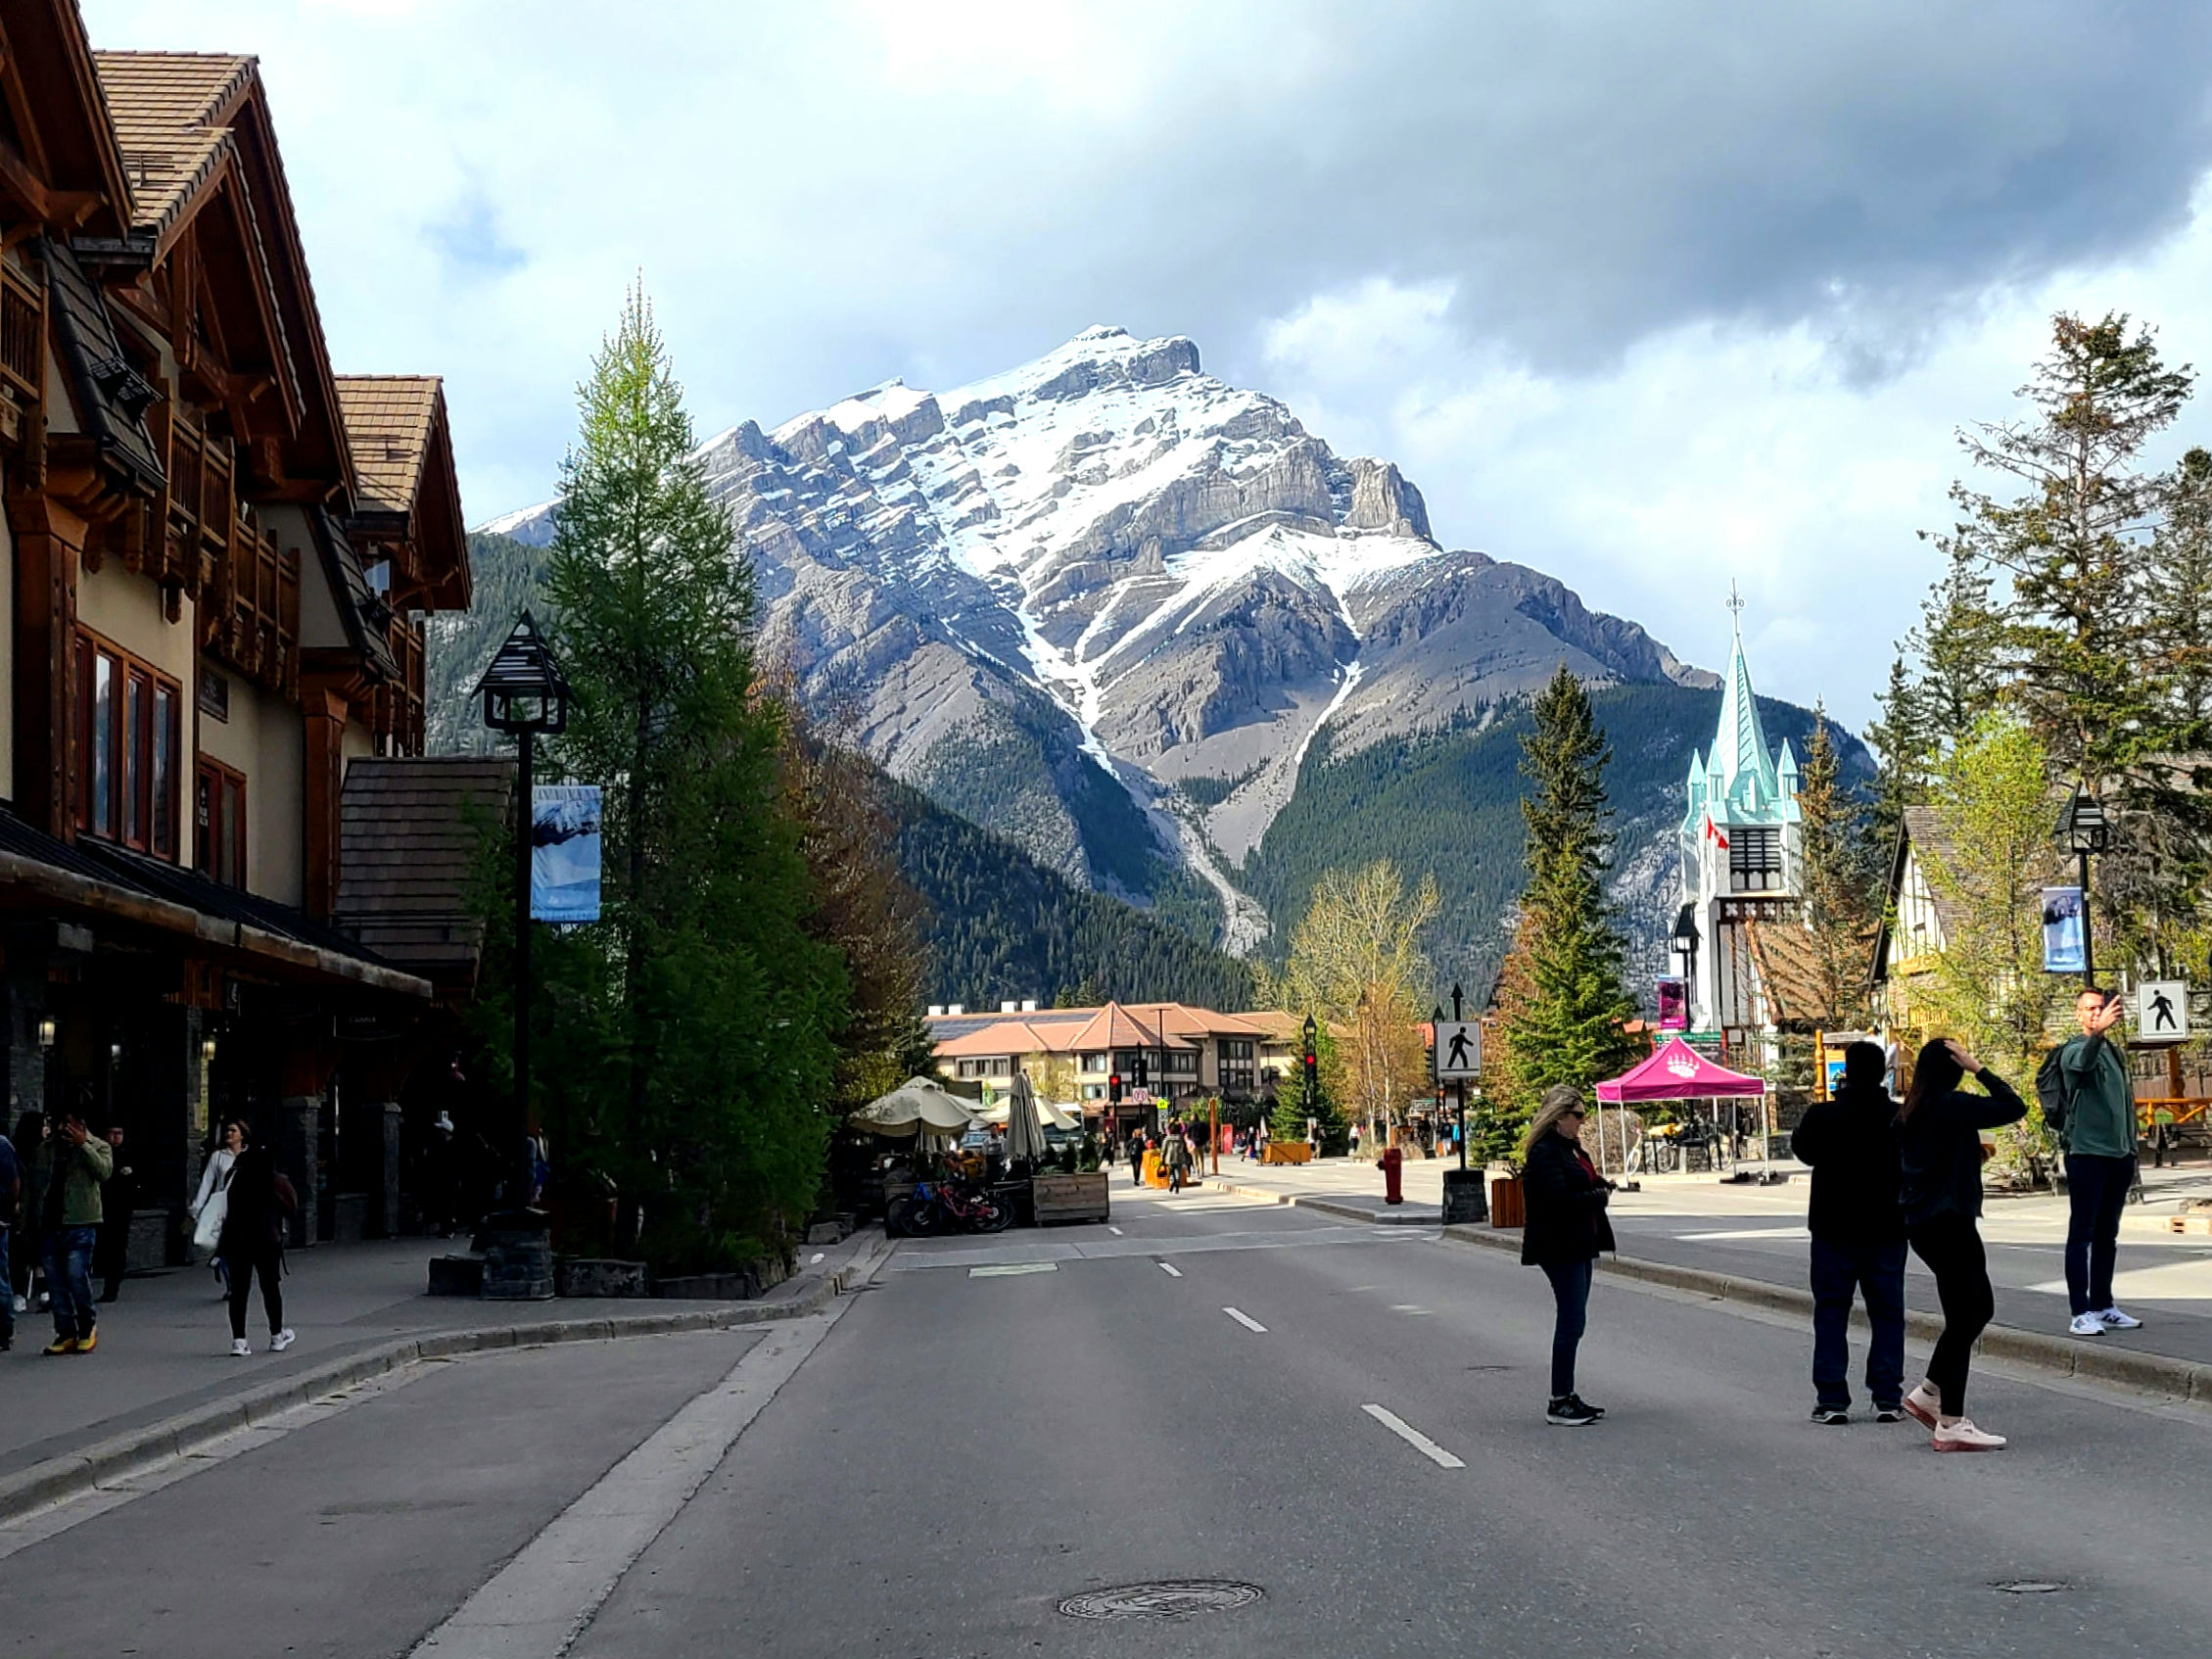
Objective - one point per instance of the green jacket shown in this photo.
(2101, 1113)
(80, 1170)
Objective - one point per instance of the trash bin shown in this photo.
(1465, 1199)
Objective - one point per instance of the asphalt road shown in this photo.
(966, 1447)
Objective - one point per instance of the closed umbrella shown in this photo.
(1025, 1136)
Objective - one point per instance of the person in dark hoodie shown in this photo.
(1858, 1237)
(1940, 1164)
(1564, 1231)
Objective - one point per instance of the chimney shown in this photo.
(955, 1008)
(1007, 1007)
(936, 1011)
(1029, 1005)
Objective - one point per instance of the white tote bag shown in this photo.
(207, 1232)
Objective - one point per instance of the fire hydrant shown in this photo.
(1393, 1166)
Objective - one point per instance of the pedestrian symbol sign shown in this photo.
(1459, 1050)
(2162, 1011)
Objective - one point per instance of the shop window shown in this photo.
(219, 823)
(128, 715)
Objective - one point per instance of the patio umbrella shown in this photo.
(1025, 1136)
(917, 1107)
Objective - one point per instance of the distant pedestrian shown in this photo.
(1178, 1161)
(1356, 1140)
(259, 1198)
(1313, 1135)
(30, 1209)
(2097, 1125)
(75, 1162)
(213, 1198)
(1940, 1188)
(1858, 1237)
(110, 1256)
(1564, 1230)
(11, 1195)
(1136, 1160)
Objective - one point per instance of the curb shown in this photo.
(1412, 1215)
(119, 1456)
(2151, 1373)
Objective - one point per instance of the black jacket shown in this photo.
(255, 1218)
(1851, 1143)
(1939, 1148)
(1566, 1207)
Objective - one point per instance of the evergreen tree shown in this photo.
(1565, 1012)
(1902, 747)
(1835, 883)
(695, 1056)
(1961, 646)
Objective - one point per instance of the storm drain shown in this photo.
(2028, 1587)
(1167, 1598)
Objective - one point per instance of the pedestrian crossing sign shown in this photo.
(2162, 1011)
(1459, 1050)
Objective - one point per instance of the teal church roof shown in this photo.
(1743, 781)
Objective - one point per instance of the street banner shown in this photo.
(1673, 1004)
(1459, 1050)
(564, 852)
(2062, 930)
(2162, 1011)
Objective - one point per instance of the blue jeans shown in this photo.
(68, 1279)
(1571, 1290)
(1840, 1274)
(2097, 1192)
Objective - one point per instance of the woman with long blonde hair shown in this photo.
(1564, 1230)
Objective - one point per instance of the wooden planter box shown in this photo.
(1506, 1207)
(1070, 1198)
(1287, 1152)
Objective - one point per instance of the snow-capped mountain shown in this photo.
(1104, 603)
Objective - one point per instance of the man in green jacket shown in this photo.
(75, 1162)
(2099, 1136)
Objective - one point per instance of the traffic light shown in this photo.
(1138, 1074)
(1114, 1087)
(1311, 1065)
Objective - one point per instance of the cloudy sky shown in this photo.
(1647, 296)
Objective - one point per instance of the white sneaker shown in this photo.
(22, 1304)
(1922, 1403)
(2087, 1325)
(281, 1341)
(1962, 1435)
(2115, 1320)
(239, 1348)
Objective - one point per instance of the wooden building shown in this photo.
(215, 561)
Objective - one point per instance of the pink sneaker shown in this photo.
(1922, 1403)
(1962, 1435)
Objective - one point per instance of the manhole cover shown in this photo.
(1169, 1599)
(2029, 1587)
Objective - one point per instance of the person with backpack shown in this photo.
(1858, 1237)
(1939, 1145)
(2090, 1105)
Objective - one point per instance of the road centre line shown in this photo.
(1246, 1319)
(1170, 1269)
(1414, 1437)
(1009, 1269)
(1115, 1231)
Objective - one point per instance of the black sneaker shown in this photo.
(1571, 1413)
(1889, 1414)
(1594, 1410)
(1831, 1414)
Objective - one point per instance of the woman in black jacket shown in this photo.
(1940, 1160)
(252, 1240)
(1564, 1230)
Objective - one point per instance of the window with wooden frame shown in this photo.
(128, 716)
(218, 818)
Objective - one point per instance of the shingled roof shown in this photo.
(409, 834)
(169, 109)
(388, 422)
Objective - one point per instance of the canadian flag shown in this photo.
(1713, 832)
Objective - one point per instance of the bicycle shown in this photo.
(941, 1206)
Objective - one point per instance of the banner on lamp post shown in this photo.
(2062, 930)
(1673, 1004)
(564, 852)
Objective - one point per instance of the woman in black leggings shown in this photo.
(1940, 1151)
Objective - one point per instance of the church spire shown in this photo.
(1746, 783)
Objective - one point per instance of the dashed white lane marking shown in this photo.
(1115, 1231)
(1745, 1233)
(1414, 1437)
(1246, 1319)
(1007, 1271)
(1171, 1270)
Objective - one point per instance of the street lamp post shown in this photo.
(523, 694)
(2086, 829)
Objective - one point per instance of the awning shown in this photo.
(1678, 1071)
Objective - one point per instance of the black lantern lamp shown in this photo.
(2085, 828)
(525, 695)
(1683, 943)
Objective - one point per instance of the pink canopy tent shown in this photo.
(1675, 1072)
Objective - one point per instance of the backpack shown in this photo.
(2052, 1093)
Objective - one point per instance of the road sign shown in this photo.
(1459, 1050)
(2162, 1011)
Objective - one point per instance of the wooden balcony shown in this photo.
(200, 510)
(23, 352)
(398, 714)
(249, 607)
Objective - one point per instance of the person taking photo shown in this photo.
(1858, 1237)
(2097, 1125)
(1564, 1231)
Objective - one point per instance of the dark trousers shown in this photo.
(1951, 1247)
(6, 1289)
(1571, 1290)
(110, 1256)
(2097, 1192)
(1840, 1274)
(267, 1261)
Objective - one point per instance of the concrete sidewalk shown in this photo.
(164, 1346)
